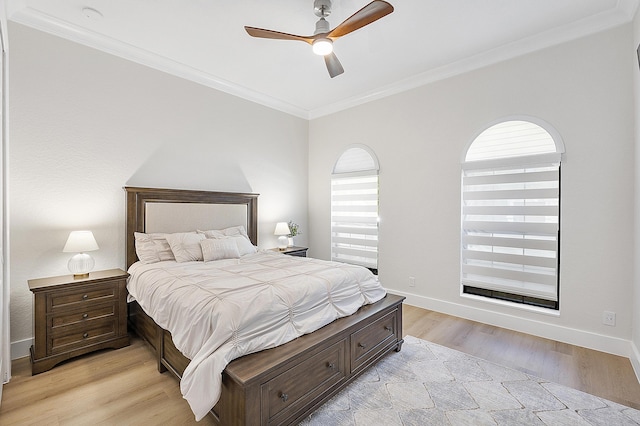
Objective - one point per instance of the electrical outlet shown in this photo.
(412, 281)
(609, 318)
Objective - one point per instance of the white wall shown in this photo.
(84, 124)
(582, 88)
(636, 294)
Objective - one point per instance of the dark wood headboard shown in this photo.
(137, 199)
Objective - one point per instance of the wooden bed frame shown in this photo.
(282, 385)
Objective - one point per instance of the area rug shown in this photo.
(429, 384)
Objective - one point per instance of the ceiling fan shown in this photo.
(323, 38)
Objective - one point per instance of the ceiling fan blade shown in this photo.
(368, 14)
(262, 33)
(333, 64)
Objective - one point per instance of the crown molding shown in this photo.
(624, 12)
(49, 24)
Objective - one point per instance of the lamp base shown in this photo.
(283, 241)
(80, 265)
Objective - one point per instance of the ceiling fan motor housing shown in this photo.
(322, 26)
(322, 8)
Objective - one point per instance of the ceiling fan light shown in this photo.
(322, 46)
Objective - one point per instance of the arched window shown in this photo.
(354, 208)
(511, 214)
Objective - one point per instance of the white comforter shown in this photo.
(219, 311)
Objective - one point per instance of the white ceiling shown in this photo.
(421, 41)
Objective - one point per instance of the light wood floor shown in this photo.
(608, 376)
(123, 387)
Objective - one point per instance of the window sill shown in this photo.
(505, 303)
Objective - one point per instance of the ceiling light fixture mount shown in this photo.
(322, 8)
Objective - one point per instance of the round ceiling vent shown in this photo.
(92, 13)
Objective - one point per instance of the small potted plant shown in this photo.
(295, 230)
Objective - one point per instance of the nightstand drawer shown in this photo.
(70, 299)
(68, 338)
(90, 313)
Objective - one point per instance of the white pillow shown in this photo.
(238, 233)
(186, 246)
(216, 249)
(244, 244)
(152, 248)
(227, 232)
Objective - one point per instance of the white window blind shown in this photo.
(511, 214)
(354, 209)
(510, 229)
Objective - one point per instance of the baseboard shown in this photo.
(586, 339)
(635, 359)
(20, 349)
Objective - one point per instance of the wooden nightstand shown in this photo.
(293, 251)
(75, 316)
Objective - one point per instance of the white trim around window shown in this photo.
(354, 208)
(510, 226)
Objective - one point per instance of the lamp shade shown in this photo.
(80, 242)
(282, 228)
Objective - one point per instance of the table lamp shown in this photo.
(80, 242)
(282, 229)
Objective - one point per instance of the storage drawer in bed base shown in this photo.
(247, 381)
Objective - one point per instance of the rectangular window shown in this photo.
(510, 230)
(354, 219)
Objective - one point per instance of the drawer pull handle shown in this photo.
(85, 315)
(331, 365)
(85, 335)
(386, 327)
(284, 397)
(85, 296)
(362, 345)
